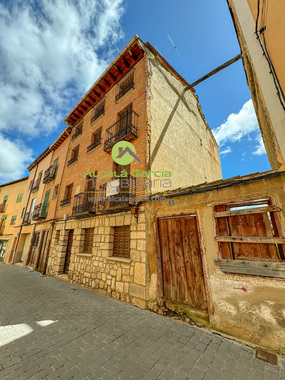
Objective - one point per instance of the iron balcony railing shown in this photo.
(100, 110)
(126, 86)
(65, 202)
(85, 203)
(27, 218)
(125, 128)
(94, 144)
(36, 185)
(73, 159)
(40, 211)
(77, 132)
(50, 173)
(123, 197)
(2, 207)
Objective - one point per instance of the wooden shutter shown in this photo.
(88, 240)
(122, 241)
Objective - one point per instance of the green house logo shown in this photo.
(123, 153)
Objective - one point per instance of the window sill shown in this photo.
(253, 268)
(84, 254)
(132, 88)
(119, 259)
(72, 163)
(92, 150)
(99, 117)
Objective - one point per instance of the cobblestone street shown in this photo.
(51, 329)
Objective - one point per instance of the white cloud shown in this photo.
(226, 151)
(49, 55)
(260, 149)
(237, 125)
(14, 158)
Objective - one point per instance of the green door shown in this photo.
(45, 205)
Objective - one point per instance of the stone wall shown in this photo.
(120, 278)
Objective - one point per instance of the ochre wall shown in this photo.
(255, 315)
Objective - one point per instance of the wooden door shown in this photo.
(68, 252)
(42, 251)
(182, 270)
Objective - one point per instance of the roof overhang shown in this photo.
(131, 54)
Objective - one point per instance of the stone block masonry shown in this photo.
(118, 277)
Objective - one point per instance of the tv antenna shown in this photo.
(174, 47)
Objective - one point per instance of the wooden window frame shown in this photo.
(88, 240)
(121, 233)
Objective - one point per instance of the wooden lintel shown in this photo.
(256, 210)
(250, 239)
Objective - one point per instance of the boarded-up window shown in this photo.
(88, 240)
(249, 231)
(122, 241)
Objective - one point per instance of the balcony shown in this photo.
(27, 218)
(65, 202)
(94, 144)
(126, 86)
(2, 207)
(72, 160)
(77, 132)
(84, 203)
(125, 128)
(36, 185)
(2, 230)
(100, 110)
(40, 212)
(50, 173)
(121, 200)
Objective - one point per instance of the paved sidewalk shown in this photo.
(50, 329)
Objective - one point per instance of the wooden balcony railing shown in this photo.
(125, 128)
(40, 211)
(84, 203)
(77, 132)
(73, 159)
(94, 144)
(50, 173)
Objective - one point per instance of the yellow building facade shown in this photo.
(260, 29)
(11, 197)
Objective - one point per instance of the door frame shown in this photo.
(160, 285)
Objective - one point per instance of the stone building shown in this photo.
(11, 195)
(260, 29)
(140, 98)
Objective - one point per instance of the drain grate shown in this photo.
(266, 356)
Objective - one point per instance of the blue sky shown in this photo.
(51, 54)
